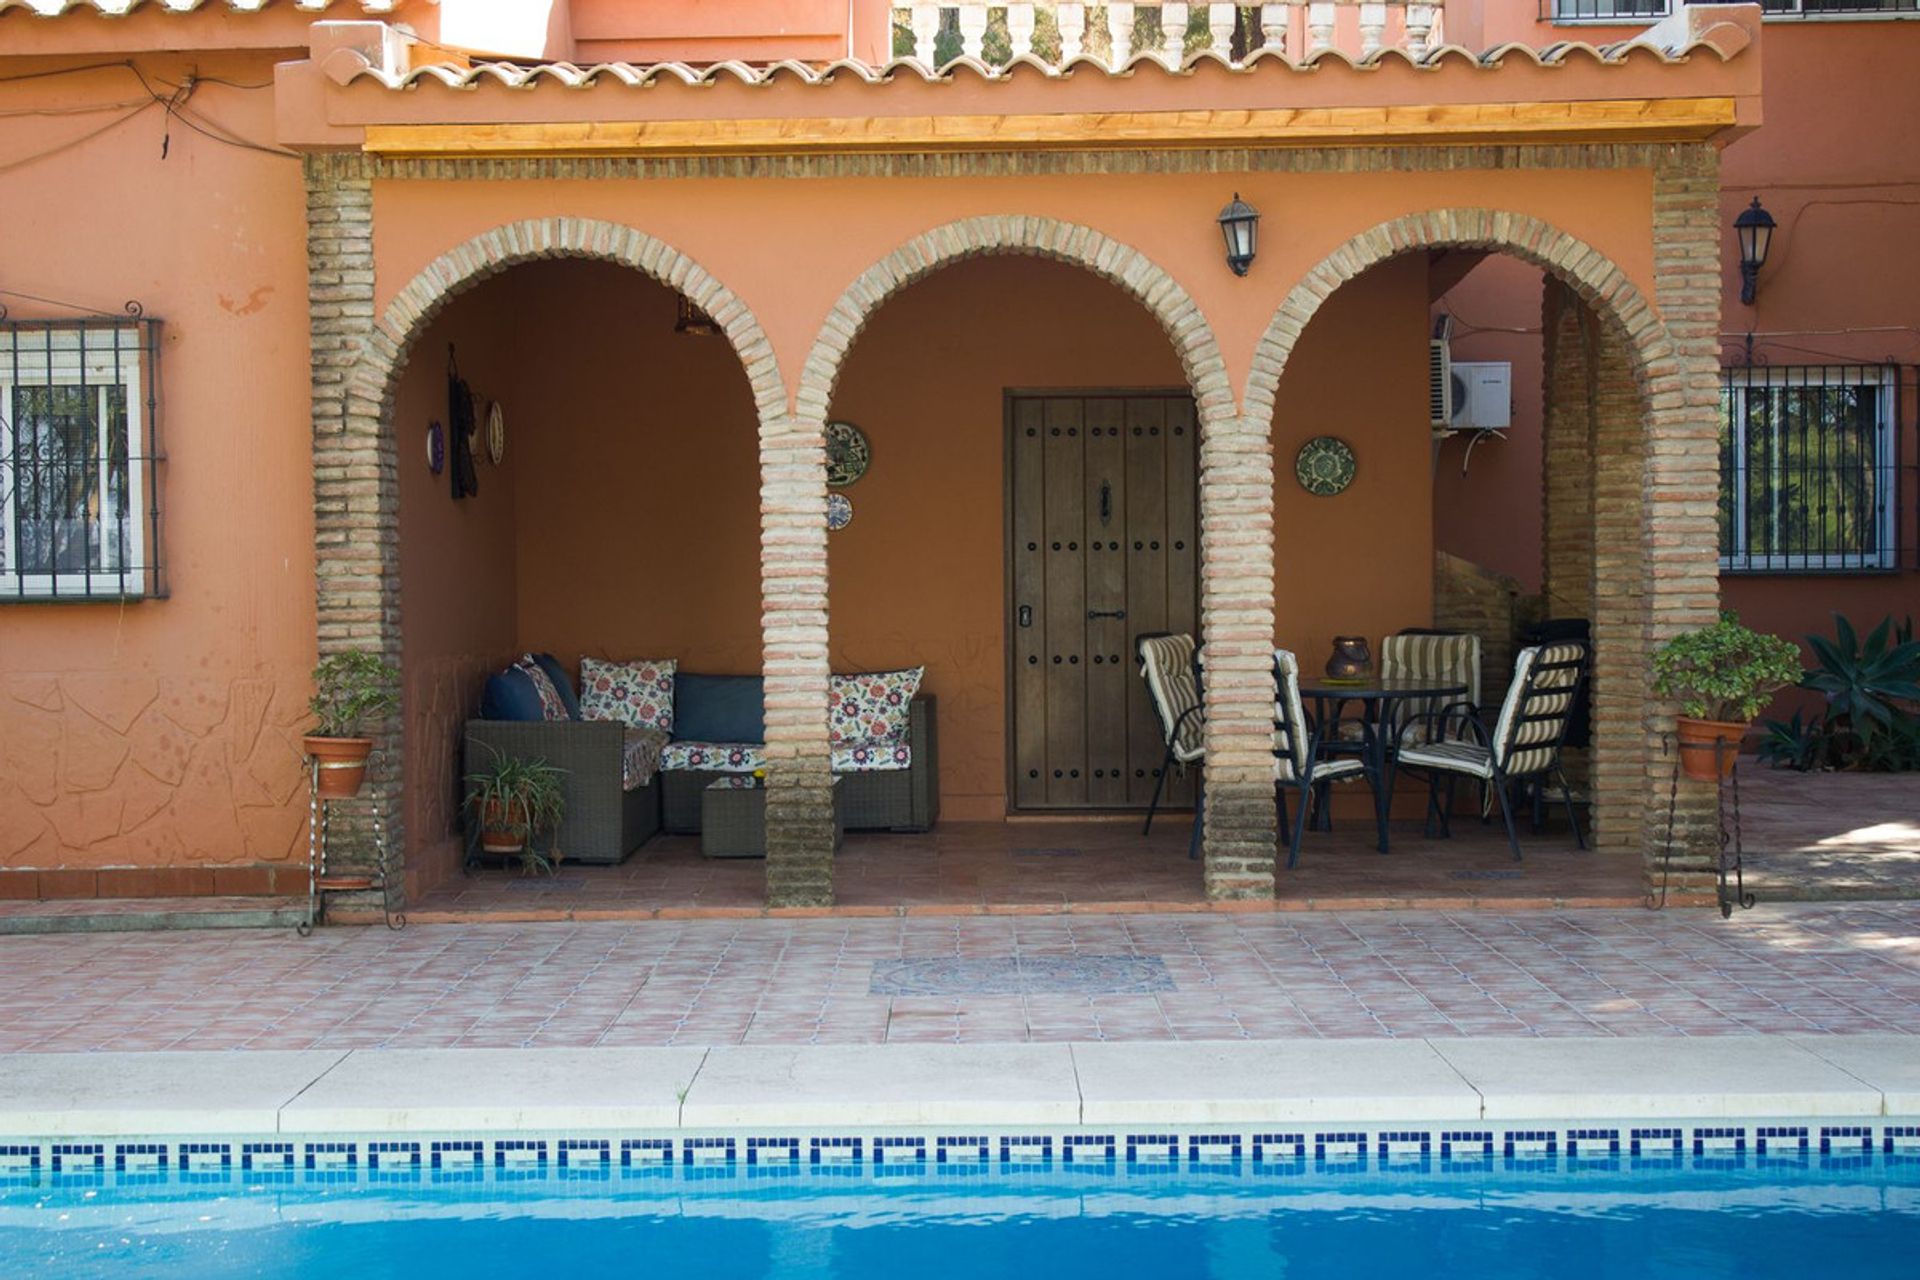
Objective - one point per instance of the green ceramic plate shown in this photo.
(847, 454)
(1324, 466)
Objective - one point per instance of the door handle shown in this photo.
(1106, 613)
(1026, 615)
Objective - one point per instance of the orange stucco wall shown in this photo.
(165, 733)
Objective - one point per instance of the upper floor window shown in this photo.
(1633, 11)
(1807, 468)
(79, 512)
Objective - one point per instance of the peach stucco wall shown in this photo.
(791, 267)
(165, 732)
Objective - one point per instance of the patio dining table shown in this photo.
(1380, 697)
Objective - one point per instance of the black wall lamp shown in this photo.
(1754, 227)
(1240, 225)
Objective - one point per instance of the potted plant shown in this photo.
(1722, 675)
(514, 800)
(349, 689)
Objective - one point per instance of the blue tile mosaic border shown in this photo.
(1377, 1150)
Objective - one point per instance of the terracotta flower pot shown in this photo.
(343, 764)
(498, 832)
(1699, 756)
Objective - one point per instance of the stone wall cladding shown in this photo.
(1655, 482)
(1236, 532)
(357, 361)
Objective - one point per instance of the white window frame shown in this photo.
(1884, 556)
(32, 358)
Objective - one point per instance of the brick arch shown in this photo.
(1033, 236)
(1643, 560)
(539, 239)
(1580, 266)
(358, 358)
(1235, 530)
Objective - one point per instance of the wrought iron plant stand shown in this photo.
(322, 880)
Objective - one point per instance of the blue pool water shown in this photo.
(1755, 1219)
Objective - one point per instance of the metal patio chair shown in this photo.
(1297, 762)
(1170, 666)
(1525, 742)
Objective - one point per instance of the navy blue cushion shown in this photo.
(561, 681)
(718, 709)
(510, 695)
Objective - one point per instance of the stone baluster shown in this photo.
(1319, 26)
(973, 30)
(1274, 21)
(1420, 23)
(1073, 29)
(926, 29)
(1220, 24)
(1373, 26)
(1120, 17)
(1173, 32)
(1020, 28)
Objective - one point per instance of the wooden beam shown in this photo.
(1619, 120)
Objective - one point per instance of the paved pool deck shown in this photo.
(1368, 1018)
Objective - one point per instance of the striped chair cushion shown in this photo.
(1454, 757)
(1292, 740)
(1526, 744)
(1452, 658)
(1167, 664)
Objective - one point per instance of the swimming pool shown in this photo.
(1764, 1201)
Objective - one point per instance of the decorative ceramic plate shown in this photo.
(847, 454)
(496, 434)
(839, 511)
(436, 448)
(1324, 466)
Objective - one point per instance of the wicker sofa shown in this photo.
(604, 823)
(871, 800)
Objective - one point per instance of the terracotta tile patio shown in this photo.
(1776, 970)
(964, 868)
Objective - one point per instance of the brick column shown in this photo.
(355, 470)
(1566, 451)
(793, 621)
(1680, 531)
(1616, 761)
(1236, 632)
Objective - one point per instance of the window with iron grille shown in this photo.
(1807, 468)
(79, 499)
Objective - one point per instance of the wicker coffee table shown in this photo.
(733, 817)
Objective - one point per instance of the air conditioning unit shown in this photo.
(1479, 395)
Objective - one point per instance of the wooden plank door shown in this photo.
(1102, 511)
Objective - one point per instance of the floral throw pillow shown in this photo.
(871, 706)
(552, 706)
(638, 693)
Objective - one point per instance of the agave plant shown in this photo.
(1866, 683)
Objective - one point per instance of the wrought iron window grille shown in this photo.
(1809, 468)
(80, 458)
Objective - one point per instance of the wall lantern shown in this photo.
(1240, 225)
(1754, 226)
(693, 321)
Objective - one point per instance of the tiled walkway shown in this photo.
(1774, 970)
(971, 866)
